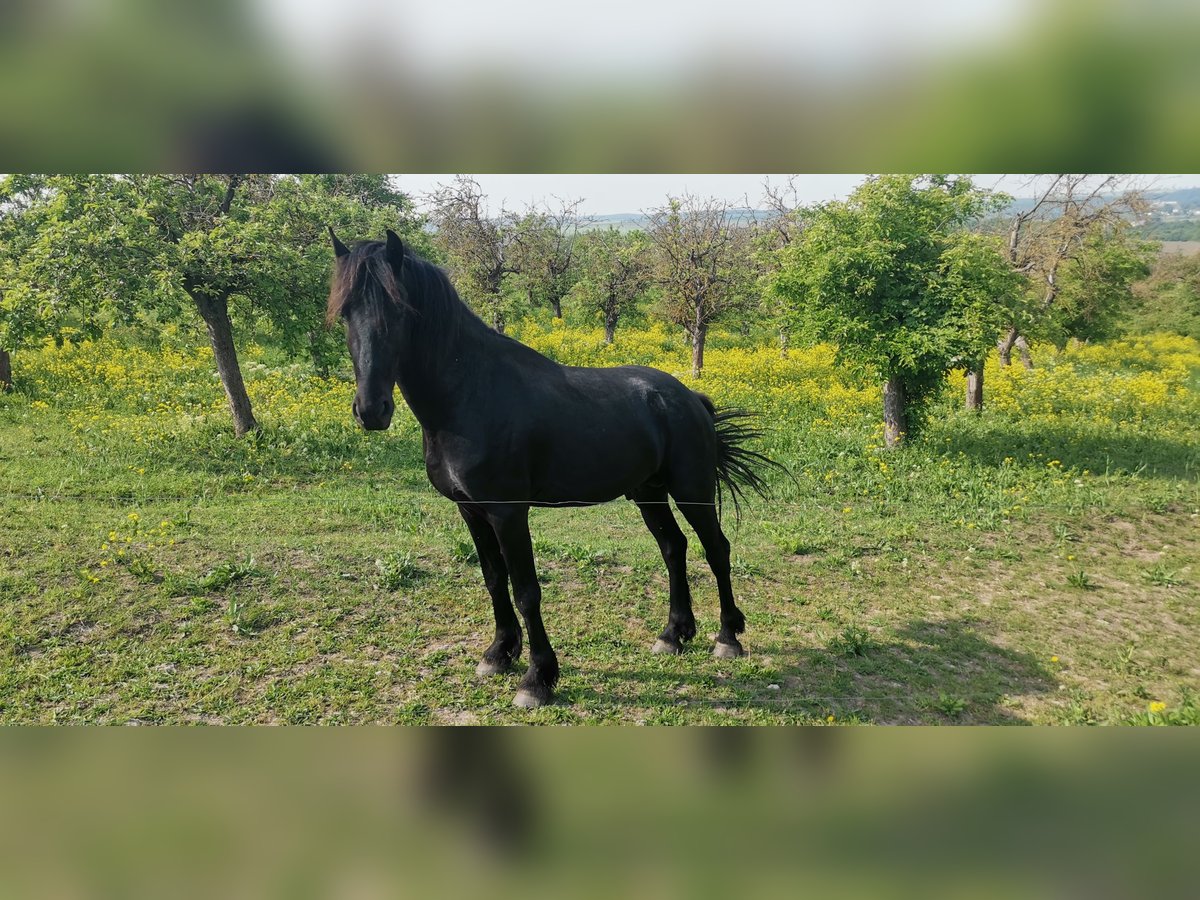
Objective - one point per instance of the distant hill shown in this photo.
(626, 222)
(623, 222)
(1167, 223)
(1178, 229)
(1187, 198)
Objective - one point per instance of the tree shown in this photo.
(892, 276)
(1095, 291)
(478, 247)
(545, 252)
(41, 294)
(301, 210)
(615, 270)
(702, 257)
(147, 248)
(1169, 299)
(1069, 214)
(783, 224)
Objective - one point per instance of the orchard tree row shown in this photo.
(84, 253)
(910, 276)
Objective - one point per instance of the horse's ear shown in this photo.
(395, 250)
(339, 249)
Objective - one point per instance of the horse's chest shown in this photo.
(445, 470)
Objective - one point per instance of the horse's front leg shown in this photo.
(511, 525)
(506, 646)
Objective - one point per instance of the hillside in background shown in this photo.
(1176, 216)
(636, 221)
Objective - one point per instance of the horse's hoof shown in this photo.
(528, 700)
(661, 646)
(721, 650)
(487, 668)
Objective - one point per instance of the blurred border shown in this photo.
(130, 85)
(653, 812)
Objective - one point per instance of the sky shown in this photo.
(605, 194)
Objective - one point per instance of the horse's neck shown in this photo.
(441, 364)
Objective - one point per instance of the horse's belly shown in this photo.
(593, 470)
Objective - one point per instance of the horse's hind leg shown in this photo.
(511, 524)
(681, 623)
(506, 647)
(703, 518)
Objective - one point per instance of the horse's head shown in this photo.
(367, 295)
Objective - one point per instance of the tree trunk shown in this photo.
(895, 423)
(701, 334)
(783, 344)
(215, 312)
(610, 326)
(5, 370)
(556, 304)
(975, 387)
(1005, 344)
(498, 320)
(1026, 356)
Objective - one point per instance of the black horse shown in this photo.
(505, 428)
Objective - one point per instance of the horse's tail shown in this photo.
(738, 467)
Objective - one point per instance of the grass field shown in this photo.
(1034, 564)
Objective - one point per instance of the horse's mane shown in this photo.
(364, 276)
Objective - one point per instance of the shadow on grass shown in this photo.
(1099, 453)
(943, 671)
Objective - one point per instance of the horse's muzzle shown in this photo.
(375, 416)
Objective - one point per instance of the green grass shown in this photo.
(314, 576)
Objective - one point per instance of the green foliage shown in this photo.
(1081, 580)
(397, 571)
(852, 641)
(212, 581)
(545, 257)
(88, 252)
(1158, 713)
(950, 706)
(614, 275)
(1162, 576)
(1095, 295)
(44, 292)
(151, 251)
(463, 551)
(1169, 299)
(892, 276)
